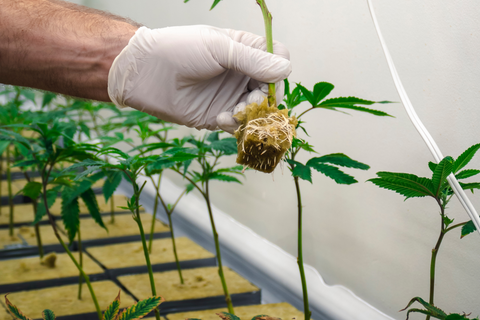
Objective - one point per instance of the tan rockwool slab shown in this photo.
(118, 201)
(124, 226)
(63, 300)
(21, 213)
(131, 254)
(46, 232)
(6, 239)
(199, 283)
(282, 310)
(4, 314)
(30, 269)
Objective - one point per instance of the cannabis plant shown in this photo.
(436, 187)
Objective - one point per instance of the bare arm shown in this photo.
(59, 46)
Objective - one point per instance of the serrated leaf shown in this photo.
(112, 310)
(70, 216)
(332, 172)
(356, 108)
(91, 202)
(15, 311)
(85, 129)
(213, 136)
(47, 98)
(468, 228)
(111, 183)
(470, 186)
(465, 157)
(41, 211)
(26, 163)
(408, 185)
(3, 145)
(307, 94)
(226, 145)
(467, 173)
(227, 316)
(321, 90)
(48, 314)
(140, 309)
(447, 221)
(439, 177)
(339, 159)
(32, 189)
(433, 311)
(432, 165)
(223, 177)
(300, 170)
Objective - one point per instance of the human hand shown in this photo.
(190, 75)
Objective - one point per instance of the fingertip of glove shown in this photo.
(226, 122)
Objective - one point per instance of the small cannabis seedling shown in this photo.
(437, 187)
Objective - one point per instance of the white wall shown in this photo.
(360, 236)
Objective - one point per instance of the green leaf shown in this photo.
(302, 171)
(47, 98)
(307, 94)
(85, 129)
(111, 183)
(32, 189)
(339, 159)
(26, 163)
(91, 202)
(408, 185)
(140, 309)
(447, 221)
(439, 177)
(189, 188)
(226, 145)
(41, 211)
(432, 165)
(332, 172)
(223, 177)
(433, 311)
(70, 216)
(14, 310)
(112, 310)
(470, 186)
(467, 173)
(321, 90)
(213, 136)
(468, 228)
(214, 4)
(3, 145)
(346, 101)
(48, 314)
(465, 157)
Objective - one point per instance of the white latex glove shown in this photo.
(189, 75)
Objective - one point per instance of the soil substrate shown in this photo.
(63, 300)
(199, 283)
(46, 232)
(7, 240)
(277, 310)
(124, 226)
(131, 254)
(4, 315)
(30, 269)
(23, 213)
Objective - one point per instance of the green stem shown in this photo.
(10, 195)
(169, 214)
(112, 210)
(267, 18)
(217, 248)
(154, 216)
(80, 269)
(80, 252)
(145, 249)
(1, 184)
(37, 228)
(306, 308)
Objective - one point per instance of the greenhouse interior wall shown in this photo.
(361, 237)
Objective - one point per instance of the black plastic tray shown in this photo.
(115, 240)
(28, 250)
(19, 175)
(42, 284)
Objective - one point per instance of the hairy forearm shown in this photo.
(59, 46)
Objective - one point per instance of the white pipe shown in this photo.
(432, 146)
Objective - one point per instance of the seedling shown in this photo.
(137, 311)
(210, 149)
(437, 187)
(432, 311)
(130, 167)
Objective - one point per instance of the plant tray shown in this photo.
(202, 289)
(24, 242)
(125, 229)
(19, 199)
(132, 260)
(281, 310)
(64, 303)
(23, 216)
(18, 175)
(34, 275)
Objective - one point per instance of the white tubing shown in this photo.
(432, 146)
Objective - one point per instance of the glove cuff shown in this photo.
(122, 69)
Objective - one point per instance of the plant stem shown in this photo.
(217, 248)
(37, 228)
(154, 217)
(112, 210)
(169, 214)
(52, 223)
(306, 308)
(267, 18)
(145, 249)
(1, 184)
(10, 195)
(80, 252)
